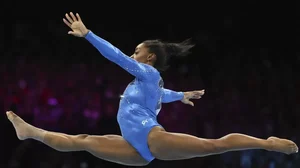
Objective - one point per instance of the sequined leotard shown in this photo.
(141, 100)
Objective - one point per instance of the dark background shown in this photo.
(246, 57)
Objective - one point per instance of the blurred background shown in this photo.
(245, 57)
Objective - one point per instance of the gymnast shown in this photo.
(143, 138)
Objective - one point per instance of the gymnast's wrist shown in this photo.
(86, 33)
(182, 95)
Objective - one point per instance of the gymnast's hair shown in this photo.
(164, 51)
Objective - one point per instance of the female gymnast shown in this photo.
(143, 138)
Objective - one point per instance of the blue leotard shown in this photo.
(141, 100)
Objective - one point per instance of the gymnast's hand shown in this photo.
(76, 24)
(192, 95)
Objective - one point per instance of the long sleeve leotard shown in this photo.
(145, 93)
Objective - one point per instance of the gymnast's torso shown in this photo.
(142, 97)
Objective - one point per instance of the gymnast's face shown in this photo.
(142, 55)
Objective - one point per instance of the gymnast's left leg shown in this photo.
(174, 146)
(111, 148)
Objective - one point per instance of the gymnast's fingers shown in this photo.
(196, 96)
(190, 103)
(66, 22)
(199, 92)
(69, 19)
(73, 17)
(78, 17)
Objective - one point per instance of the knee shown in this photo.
(215, 146)
(81, 136)
(80, 140)
(220, 145)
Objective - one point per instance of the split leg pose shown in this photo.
(143, 138)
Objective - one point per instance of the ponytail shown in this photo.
(164, 51)
(178, 49)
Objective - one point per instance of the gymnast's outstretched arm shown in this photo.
(113, 54)
(171, 96)
(184, 97)
(139, 70)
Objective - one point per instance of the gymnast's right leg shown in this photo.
(112, 148)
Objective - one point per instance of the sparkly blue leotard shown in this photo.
(141, 100)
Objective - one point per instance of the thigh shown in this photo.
(114, 148)
(176, 146)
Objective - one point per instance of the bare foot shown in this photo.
(283, 145)
(23, 129)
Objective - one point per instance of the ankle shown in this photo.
(38, 134)
(269, 144)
